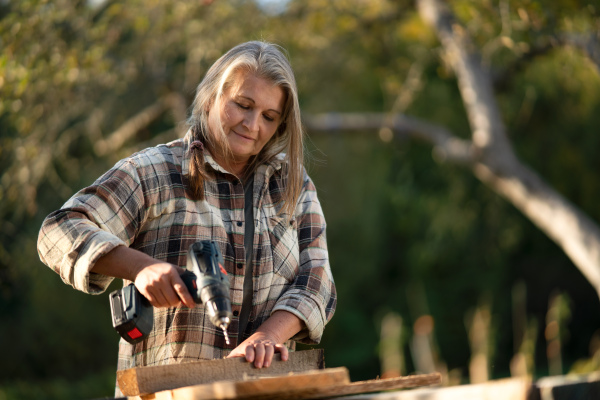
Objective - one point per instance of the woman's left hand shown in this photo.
(259, 349)
(268, 338)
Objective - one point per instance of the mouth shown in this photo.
(243, 136)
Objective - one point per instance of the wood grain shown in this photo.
(280, 387)
(146, 380)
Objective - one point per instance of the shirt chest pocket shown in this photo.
(283, 235)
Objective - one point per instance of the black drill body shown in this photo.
(205, 279)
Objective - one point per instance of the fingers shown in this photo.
(182, 292)
(269, 352)
(160, 298)
(164, 295)
(170, 296)
(250, 353)
(261, 353)
(151, 298)
(260, 350)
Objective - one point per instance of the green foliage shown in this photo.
(71, 74)
(94, 385)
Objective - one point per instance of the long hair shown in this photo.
(266, 61)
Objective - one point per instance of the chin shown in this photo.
(242, 152)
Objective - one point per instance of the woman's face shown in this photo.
(251, 111)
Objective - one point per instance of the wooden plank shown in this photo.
(378, 385)
(502, 389)
(569, 387)
(279, 387)
(146, 380)
(332, 382)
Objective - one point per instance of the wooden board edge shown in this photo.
(434, 378)
(380, 385)
(128, 381)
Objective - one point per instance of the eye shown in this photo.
(243, 107)
(270, 119)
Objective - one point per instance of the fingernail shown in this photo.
(259, 365)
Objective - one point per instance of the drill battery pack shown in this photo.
(132, 314)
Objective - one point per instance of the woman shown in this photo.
(236, 178)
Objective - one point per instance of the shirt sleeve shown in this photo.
(312, 296)
(90, 224)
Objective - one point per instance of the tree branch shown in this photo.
(498, 167)
(447, 147)
(475, 85)
(502, 78)
(141, 120)
(589, 44)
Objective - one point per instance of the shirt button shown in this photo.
(240, 223)
(240, 265)
(236, 313)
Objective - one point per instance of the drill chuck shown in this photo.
(217, 303)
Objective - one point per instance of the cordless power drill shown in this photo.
(205, 279)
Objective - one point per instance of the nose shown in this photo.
(251, 121)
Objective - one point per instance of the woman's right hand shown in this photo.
(162, 285)
(156, 280)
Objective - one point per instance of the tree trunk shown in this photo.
(488, 153)
(497, 166)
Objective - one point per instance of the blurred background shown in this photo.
(434, 270)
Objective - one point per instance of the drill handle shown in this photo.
(204, 260)
(189, 279)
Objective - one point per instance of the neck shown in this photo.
(233, 165)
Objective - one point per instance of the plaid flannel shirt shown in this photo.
(142, 203)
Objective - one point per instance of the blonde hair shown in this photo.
(266, 61)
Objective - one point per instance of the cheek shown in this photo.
(268, 135)
(230, 115)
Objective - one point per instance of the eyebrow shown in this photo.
(252, 100)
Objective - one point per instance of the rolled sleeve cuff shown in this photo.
(96, 246)
(309, 310)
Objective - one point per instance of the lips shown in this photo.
(243, 136)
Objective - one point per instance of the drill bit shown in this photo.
(225, 333)
(223, 323)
